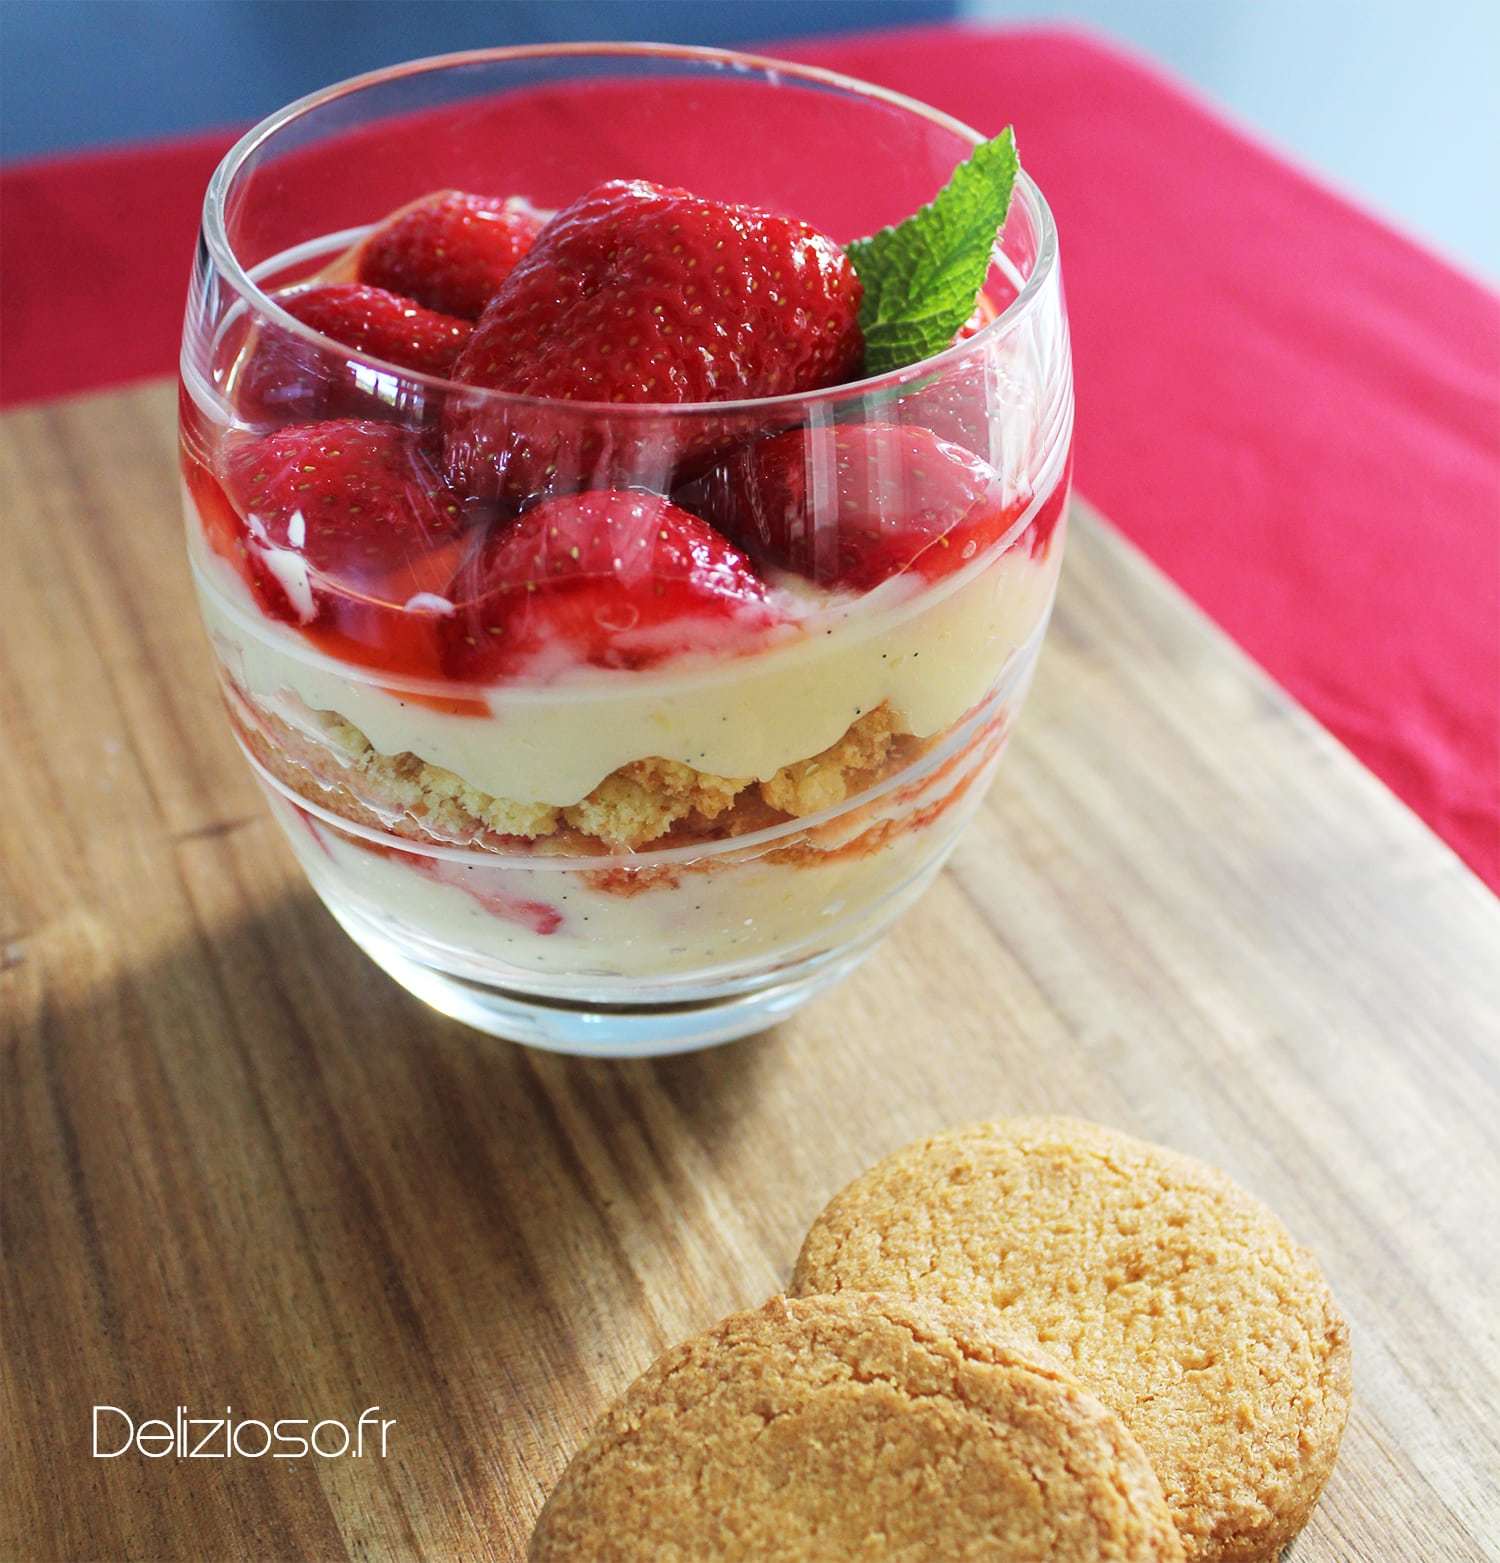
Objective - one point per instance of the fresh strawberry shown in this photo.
(856, 504)
(449, 251)
(380, 324)
(280, 376)
(641, 294)
(275, 375)
(638, 293)
(343, 524)
(612, 578)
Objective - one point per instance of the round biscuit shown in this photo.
(1176, 1298)
(867, 1429)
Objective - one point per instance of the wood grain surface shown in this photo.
(242, 1168)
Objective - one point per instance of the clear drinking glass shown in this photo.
(804, 784)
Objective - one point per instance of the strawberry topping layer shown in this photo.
(526, 532)
(853, 505)
(449, 251)
(614, 579)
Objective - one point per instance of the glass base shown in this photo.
(604, 1030)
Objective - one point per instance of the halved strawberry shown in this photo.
(853, 505)
(450, 250)
(281, 376)
(639, 293)
(274, 375)
(349, 531)
(611, 578)
(380, 324)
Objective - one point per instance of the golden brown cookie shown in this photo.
(850, 1430)
(1176, 1298)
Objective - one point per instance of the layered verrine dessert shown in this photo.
(620, 647)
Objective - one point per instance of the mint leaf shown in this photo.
(921, 279)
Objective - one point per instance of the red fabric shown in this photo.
(111, 235)
(1292, 409)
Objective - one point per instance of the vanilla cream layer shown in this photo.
(749, 915)
(932, 654)
(739, 918)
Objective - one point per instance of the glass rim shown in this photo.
(261, 303)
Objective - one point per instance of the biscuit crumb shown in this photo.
(635, 806)
(831, 778)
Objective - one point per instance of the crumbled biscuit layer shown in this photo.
(331, 761)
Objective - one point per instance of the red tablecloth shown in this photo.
(1291, 408)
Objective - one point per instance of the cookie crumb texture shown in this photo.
(855, 1429)
(1177, 1299)
(651, 801)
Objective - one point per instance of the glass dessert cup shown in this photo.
(680, 837)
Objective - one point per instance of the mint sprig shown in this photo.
(922, 277)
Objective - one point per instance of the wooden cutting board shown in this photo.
(242, 1168)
